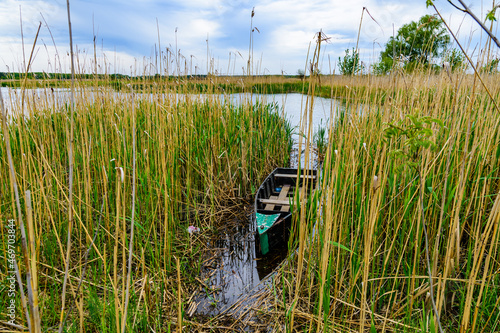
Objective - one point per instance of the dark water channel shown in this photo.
(232, 269)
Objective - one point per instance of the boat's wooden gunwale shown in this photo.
(282, 175)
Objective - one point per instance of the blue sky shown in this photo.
(127, 32)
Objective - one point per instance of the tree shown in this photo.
(490, 16)
(382, 67)
(417, 43)
(350, 64)
(491, 66)
(455, 59)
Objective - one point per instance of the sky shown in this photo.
(194, 35)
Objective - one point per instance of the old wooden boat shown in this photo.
(273, 214)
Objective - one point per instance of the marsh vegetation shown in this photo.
(402, 233)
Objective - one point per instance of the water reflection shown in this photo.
(232, 270)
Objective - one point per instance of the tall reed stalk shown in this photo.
(70, 176)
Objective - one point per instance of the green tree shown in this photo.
(455, 59)
(491, 67)
(382, 67)
(350, 63)
(417, 43)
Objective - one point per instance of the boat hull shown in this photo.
(273, 206)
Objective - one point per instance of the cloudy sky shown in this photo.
(128, 32)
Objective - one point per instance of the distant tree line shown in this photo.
(59, 76)
(67, 76)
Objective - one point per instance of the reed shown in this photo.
(403, 203)
(195, 159)
(383, 197)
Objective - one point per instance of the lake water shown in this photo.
(292, 104)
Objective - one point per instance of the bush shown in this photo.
(350, 64)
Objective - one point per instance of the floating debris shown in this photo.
(192, 229)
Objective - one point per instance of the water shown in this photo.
(49, 97)
(230, 270)
(293, 104)
(324, 111)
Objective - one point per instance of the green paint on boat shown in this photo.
(264, 243)
(264, 222)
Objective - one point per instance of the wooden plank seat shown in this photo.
(284, 175)
(269, 205)
(283, 196)
(283, 200)
(274, 200)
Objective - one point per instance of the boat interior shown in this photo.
(278, 190)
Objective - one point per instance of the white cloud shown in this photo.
(12, 10)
